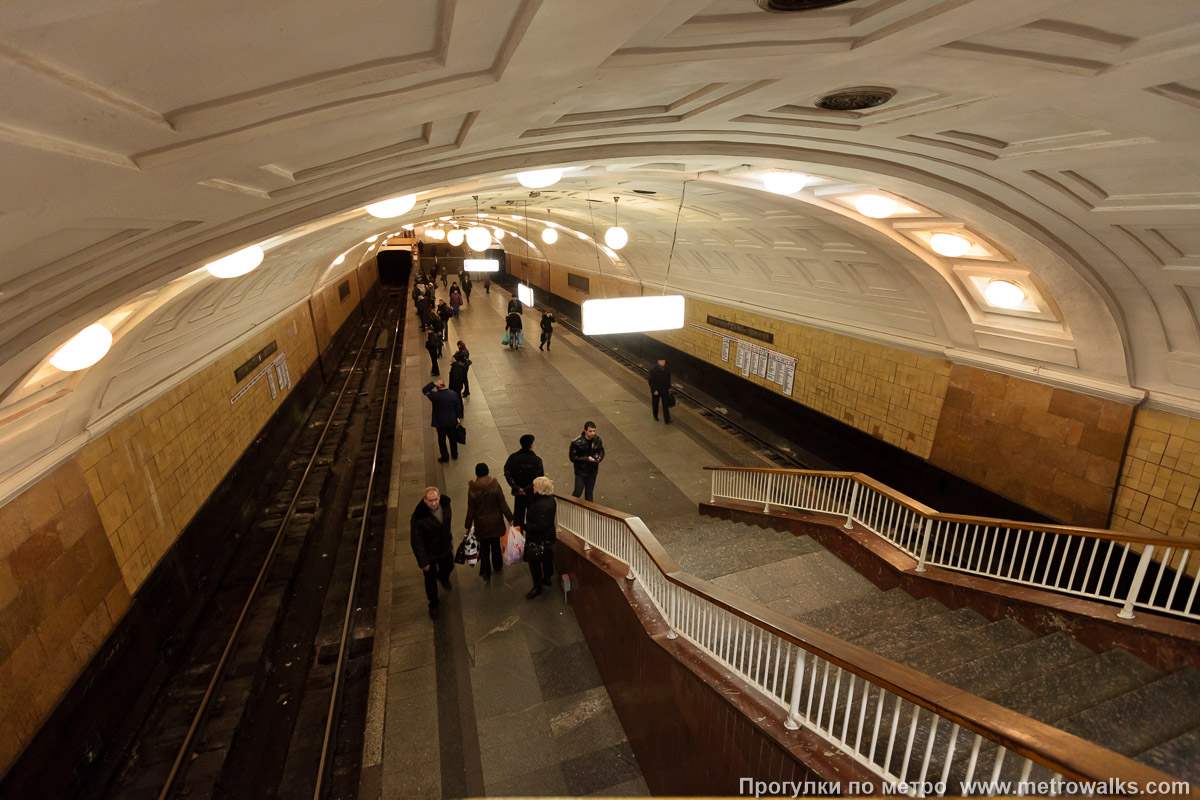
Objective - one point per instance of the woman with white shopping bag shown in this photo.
(541, 532)
(488, 511)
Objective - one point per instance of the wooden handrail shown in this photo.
(1065, 753)
(1155, 539)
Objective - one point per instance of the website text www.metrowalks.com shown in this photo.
(749, 787)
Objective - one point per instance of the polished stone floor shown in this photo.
(500, 695)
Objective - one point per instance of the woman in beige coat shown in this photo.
(488, 511)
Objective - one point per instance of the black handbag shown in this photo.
(535, 551)
(460, 434)
(668, 400)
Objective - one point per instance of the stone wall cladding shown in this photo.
(1159, 487)
(1053, 450)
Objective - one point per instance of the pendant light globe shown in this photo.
(455, 237)
(616, 237)
(549, 236)
(479, 239)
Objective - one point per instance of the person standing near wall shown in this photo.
(519, 471)
(429, 534)
(541, 532)
(660, 389)
(586, 453)
(487, 510)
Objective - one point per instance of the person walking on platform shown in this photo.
(512, 323)
(466, 285)
(433, 343)
(514, 305)
(431, 543)
(520, 470)
(541, 532)
(487, 283)
(456, 300)
(459, 365)
(444, 314)
(487, 510)
(436, 326)
(547, 330)
(586, 453)
(447, 411)
(660, 389)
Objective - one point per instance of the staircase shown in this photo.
(1112, 699)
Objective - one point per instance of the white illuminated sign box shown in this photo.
(481, 264)
(632, 314)
(525, 294)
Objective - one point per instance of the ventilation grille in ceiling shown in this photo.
(797, 5)
(856, 99)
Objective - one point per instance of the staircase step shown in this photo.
(851, 628)
(922, 634)
(1140, 720)
(1179, 757)
(1078, 686)
(967, 646)
(994, 673)
(870, 604)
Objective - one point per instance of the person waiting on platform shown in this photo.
(429, 532)
(444, 314)
(520, 470)
(514, 305)
(660, 389)
(541, 532)
(586, 453)
(547, 330)
(433, 343)
(456, 300)
(512, 324)
(459, 365)
(487, 283)
(437, 326)
(422, 305)
(447, 413)
(488, 511)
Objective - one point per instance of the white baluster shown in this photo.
(1138, 577)
(853, 501)
(925, 534)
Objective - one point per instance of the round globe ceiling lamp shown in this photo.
(435, 233)
(455, 237)
(479, 239)
(949, 244)
(236, 264)
(616, 237)
(784, 182)
(392, 207)
(539, 178)
(1004, 294)
(876, 206)
(85, 348)
(549, 236)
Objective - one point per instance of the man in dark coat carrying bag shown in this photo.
(519, 471)
(431, 543)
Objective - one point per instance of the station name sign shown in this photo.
(744, 330)
(241, 372)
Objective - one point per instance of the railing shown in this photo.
(1098, 564)
(918, 734)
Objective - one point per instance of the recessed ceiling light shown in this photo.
(392, 207)
(784, 182)
(1004, 294)
(236, 264)
(875, 206)
(84, 349)
(339, 259)
(949, 244)
(539, 178)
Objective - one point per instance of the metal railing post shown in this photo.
(792, 723)
(850, 511)
(1136, 586)
(770, 488)
(925, 534)
(587, 529)
(712, 487)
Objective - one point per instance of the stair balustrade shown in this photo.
(1133, 571)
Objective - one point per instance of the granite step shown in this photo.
(1179, 756)
(1144, 718)
(1079, 686)
(870, 604)
(927, 633)
(859, 625)
(992, 674)
(967, 646)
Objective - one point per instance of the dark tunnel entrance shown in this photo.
(394, 267)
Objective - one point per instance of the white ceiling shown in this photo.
(141, 138)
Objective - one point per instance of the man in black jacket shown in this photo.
(447, 411)
(519, 470)
(586, 453)
(660, 389)
(431, 543)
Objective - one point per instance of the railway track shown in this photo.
(267, 696)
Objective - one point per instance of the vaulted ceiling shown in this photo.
(140, 139)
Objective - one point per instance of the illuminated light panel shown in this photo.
(876, 206)
(392, 207)
(1004, 294)
(236, 264)
(632, 314)
(949, 244)
(539, 178)
(525, 294)
(784, 182)
(549, 236)
(84, 349)
(481, 264)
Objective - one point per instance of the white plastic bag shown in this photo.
(514, 546)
